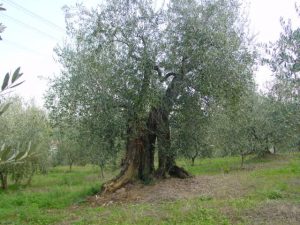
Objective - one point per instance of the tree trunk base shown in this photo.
(128, 177)
(120, 181)
(160, 174)
(178, 172)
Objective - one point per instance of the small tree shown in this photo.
(68, 146)
(24, 128)
(189, 127)
(8, 155)
(254, 126)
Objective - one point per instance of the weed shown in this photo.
(274, 194)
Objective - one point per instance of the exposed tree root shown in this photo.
(120, 181)
(128, 176)
(178, 172)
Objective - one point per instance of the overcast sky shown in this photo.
(35, 27)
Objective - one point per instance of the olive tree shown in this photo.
(254, 126)
(127, 65)
(25, 131)
(189, 125)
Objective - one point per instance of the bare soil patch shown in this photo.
(217, 186)
(274, 213)
(221, 186)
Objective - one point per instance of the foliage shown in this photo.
(68, 147)
(24, 129)
(10, 156)
(260, 122)
(189, 126)
(2, 27)
(284, 61)
(254, 126)
(10, 81)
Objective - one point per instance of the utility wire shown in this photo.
(28, 12)
(31, 27)
(18, 46)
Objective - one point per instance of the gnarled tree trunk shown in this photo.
(139, 159)
(134, 163)
(166, 157)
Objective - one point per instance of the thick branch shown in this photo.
(168, 75)
(165, 77)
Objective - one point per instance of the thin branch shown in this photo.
(130, 53)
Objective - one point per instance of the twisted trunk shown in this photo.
(166, 157)
(139, 159)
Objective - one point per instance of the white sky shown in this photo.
(28, 42)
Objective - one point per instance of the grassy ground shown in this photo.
(269, 193)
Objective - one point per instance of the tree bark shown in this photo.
(3, 178)
(137, 165)
(139, 159)
(70, 166)
(193, 160)
(242, 160)
(194, 156)
(31, 175)
(102, 171)
(166, 156)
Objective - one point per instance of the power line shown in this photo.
(28, 12)
(31, 27)
(16, 45)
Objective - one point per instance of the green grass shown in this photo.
(59, 197)
(178, 212)
(56, 190)
(212, 165)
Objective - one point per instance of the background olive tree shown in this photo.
(26, 133)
